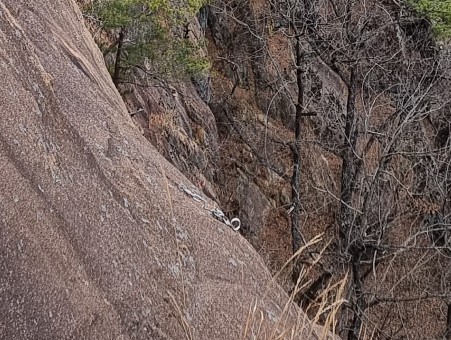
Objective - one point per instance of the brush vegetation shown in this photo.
(438, 12)
(151, 35)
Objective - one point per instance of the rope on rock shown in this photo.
(217, 213)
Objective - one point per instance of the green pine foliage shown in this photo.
(152, 35)
(438, 12)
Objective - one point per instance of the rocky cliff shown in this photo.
(97, 240)
(373, 151)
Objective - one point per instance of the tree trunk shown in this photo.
(360, 303)
(347, 214)
(297, 240)
(117, 63)
(448, 323)
(349, 165)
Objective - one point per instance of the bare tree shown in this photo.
(363, 43)
(293, 145)
(393, 152)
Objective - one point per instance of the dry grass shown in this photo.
(181, 317)
(178, 308)
(293, 323)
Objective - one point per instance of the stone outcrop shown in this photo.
(96, 239)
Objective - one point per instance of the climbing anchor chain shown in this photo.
(217, 213)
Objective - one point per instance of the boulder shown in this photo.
(97, 241)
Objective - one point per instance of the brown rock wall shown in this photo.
(96, 239)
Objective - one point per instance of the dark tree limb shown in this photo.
(349, 163)
(296, 236)
(448, 323)
(117, 64)
(312, 291)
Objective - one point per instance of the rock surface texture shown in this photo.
(96, 239)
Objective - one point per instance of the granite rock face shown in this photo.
(97, 241)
